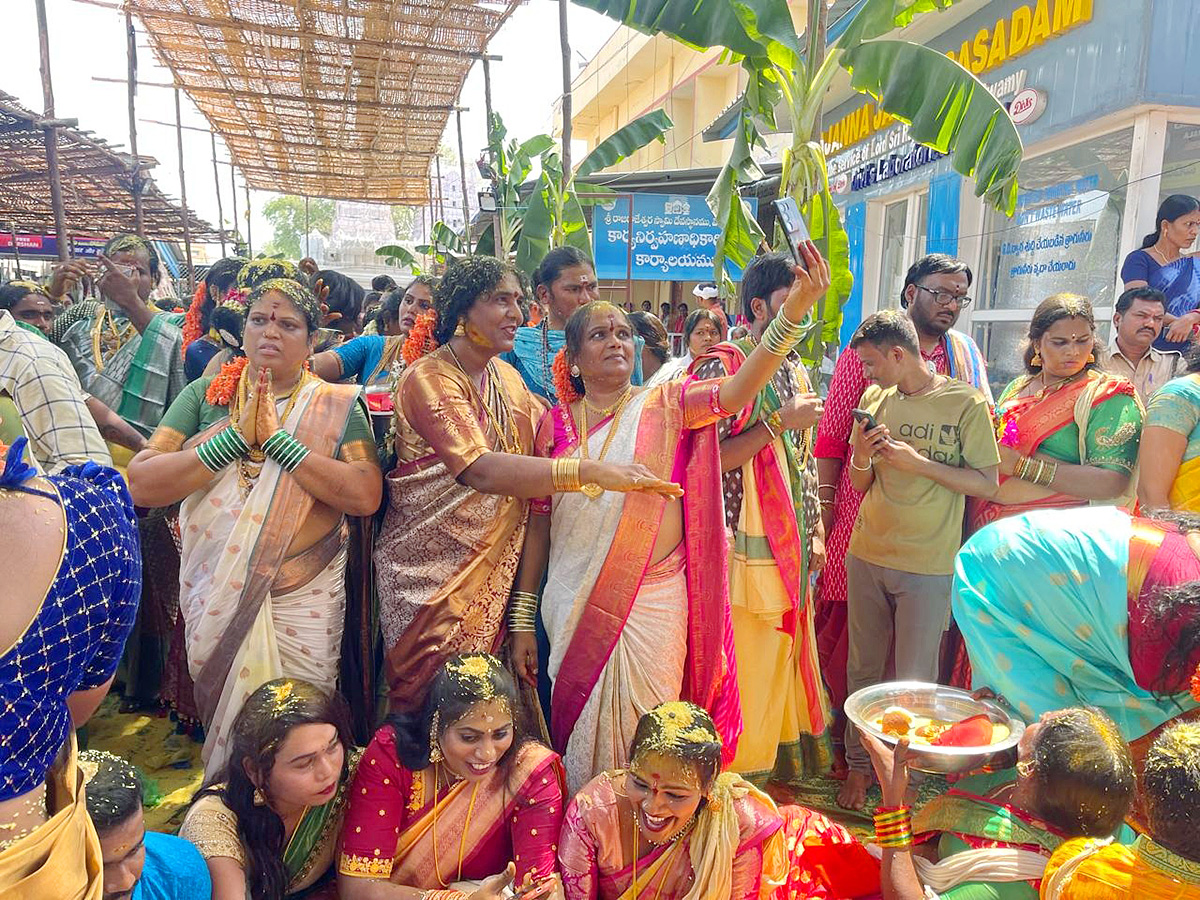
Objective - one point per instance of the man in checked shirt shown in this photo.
(42, 383)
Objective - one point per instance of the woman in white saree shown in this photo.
(268, 461)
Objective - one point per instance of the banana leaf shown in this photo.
(947, 109)
(760, 29)
(537, 225)
(624, 142)
(395, 255)
(879, 17)
(740, 233)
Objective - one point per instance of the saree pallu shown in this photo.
(1038, 418)
(60, 859)
(251, 612)
(1042, 602)
(601, 627)
(1087, 869)
(770, 597)
(445, 560)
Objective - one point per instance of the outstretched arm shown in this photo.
(811, 284)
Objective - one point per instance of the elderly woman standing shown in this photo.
(448, 551)
(1161, 263)
(268, 461)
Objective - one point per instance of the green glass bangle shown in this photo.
(221, 449)
(285, 450)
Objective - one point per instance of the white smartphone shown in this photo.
(793, 226)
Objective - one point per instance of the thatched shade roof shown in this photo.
(325, 98)
(96, 181)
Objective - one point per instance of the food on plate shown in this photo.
(974, 731)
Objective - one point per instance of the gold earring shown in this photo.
(435, 748)
(1091, 357)
(260, 799)
(461, 329)
(1037, 359)
(575, 371)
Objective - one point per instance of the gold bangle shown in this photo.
(564, 474)
(857, 467)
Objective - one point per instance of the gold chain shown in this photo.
(617, 408)
(113, 341)
(510, 437)
(250, 468)
(462, 844)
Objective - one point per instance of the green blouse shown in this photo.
(191, 413)
(1114, 430)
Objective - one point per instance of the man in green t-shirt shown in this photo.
(932, 445)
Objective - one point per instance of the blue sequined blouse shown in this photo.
(75, 641)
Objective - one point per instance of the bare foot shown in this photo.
(853, 794)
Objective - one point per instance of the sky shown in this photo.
(89, 41)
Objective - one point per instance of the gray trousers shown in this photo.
(886, 606)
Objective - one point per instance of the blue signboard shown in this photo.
(674, 238)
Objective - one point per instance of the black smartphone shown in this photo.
(868, 420)
(793, 227)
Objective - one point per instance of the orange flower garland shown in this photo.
(191, 324)
(420, 338)
(1196, 685)
(221, 388)
(562, 379)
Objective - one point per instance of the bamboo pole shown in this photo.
(131, 55)
(217, 184)
(237, 229)
(51, 133)
(249, 216)
(462, 174)
(500, 245)
(187, 228)
(441, 203)
(564, 41)
(307, 251)
(17, 250)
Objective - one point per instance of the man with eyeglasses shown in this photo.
(935, 293)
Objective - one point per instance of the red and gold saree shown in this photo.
(401, 826)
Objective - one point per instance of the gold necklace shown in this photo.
(676, 843)
(1154, 249)
(510, 437)
(606, 410)
(1048, 388)
(104, 346)
(590, 489)
(462, 844)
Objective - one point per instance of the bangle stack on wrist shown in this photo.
(221, 449)
(285, 450)
(782, 335)
(893, 827)
(1035, 471)
(522, 612)
(564, 474)
(449, 894)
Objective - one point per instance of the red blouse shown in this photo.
(515, 814)
(1149, 640)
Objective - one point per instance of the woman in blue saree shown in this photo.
(1162, 263)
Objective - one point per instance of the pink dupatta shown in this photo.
(677, 440)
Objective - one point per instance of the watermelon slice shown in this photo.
(973, 732)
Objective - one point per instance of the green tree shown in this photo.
(286, 215)
(404, 220)
(946, 107)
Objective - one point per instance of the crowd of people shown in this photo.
(472, 588)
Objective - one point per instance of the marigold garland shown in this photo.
(1196, 685)
(221, 388)
(191, 324)
(562, 379)
(420, 340)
